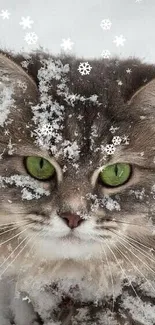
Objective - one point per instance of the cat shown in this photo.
(77, 184)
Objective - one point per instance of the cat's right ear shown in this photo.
(143, 101)
(17, 89)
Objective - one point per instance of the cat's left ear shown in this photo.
(144, 99)
(17, 89)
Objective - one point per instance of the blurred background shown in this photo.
(74, 26)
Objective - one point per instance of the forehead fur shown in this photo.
(119, 105)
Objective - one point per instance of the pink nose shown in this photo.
(72, 220)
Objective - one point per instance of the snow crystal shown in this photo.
(109, 149)
(110, 204)
(106, 54)
(116, 140)
(26, 22)
(10, 147)
(125, 139)
(119, 40)
(120, 83)
(22, 85)
(67, 44)
(106, 24)
(70, 149)
(138, 194)
(113, 129)
(5, 14)
(26, 298)
(31, 38)
(84, 68)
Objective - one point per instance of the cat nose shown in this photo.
(72, 220)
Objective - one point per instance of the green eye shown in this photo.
(116, 174)
(39, 167)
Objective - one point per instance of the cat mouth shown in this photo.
(71, 236)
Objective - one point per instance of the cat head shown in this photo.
(77, 167)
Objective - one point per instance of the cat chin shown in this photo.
(67, 248)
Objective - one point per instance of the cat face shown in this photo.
(77, 166)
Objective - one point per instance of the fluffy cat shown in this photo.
(77, 182)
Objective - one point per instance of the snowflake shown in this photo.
(138, 194)
(80, 117)
(116, 140)
(67, 44)
(6, 132)
(120, 83)
(106, 54)
(119, 40)
(5, 14)
(93, 98)
(25, 64)
(70, 149)
(26, 22)
(110, 149)
(26, 298)
(22, 85)
(125, 139)
(106, 24)
(84, 68)
(31, 38)
(10, 147)
(110, 204)
(128, 70)
(46, 130)
(113, 129)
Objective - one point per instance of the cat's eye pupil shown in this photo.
(41, 163)
(116, 170)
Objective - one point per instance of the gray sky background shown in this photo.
(80, 20)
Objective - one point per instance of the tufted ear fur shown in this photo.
(17, 89)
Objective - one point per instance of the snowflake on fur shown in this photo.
(106, 54)
(46, 130)
(113, 129)
(110, 204)
(84, 68)
(22, 85)
(110, 149)
(31, 38)
(125, 139)
(106, 24)
(116, 140)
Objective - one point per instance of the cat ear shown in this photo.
(11, 72)
(17, 88)
(144, 98)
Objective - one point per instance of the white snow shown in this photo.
(6, 102)
(26, 183)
